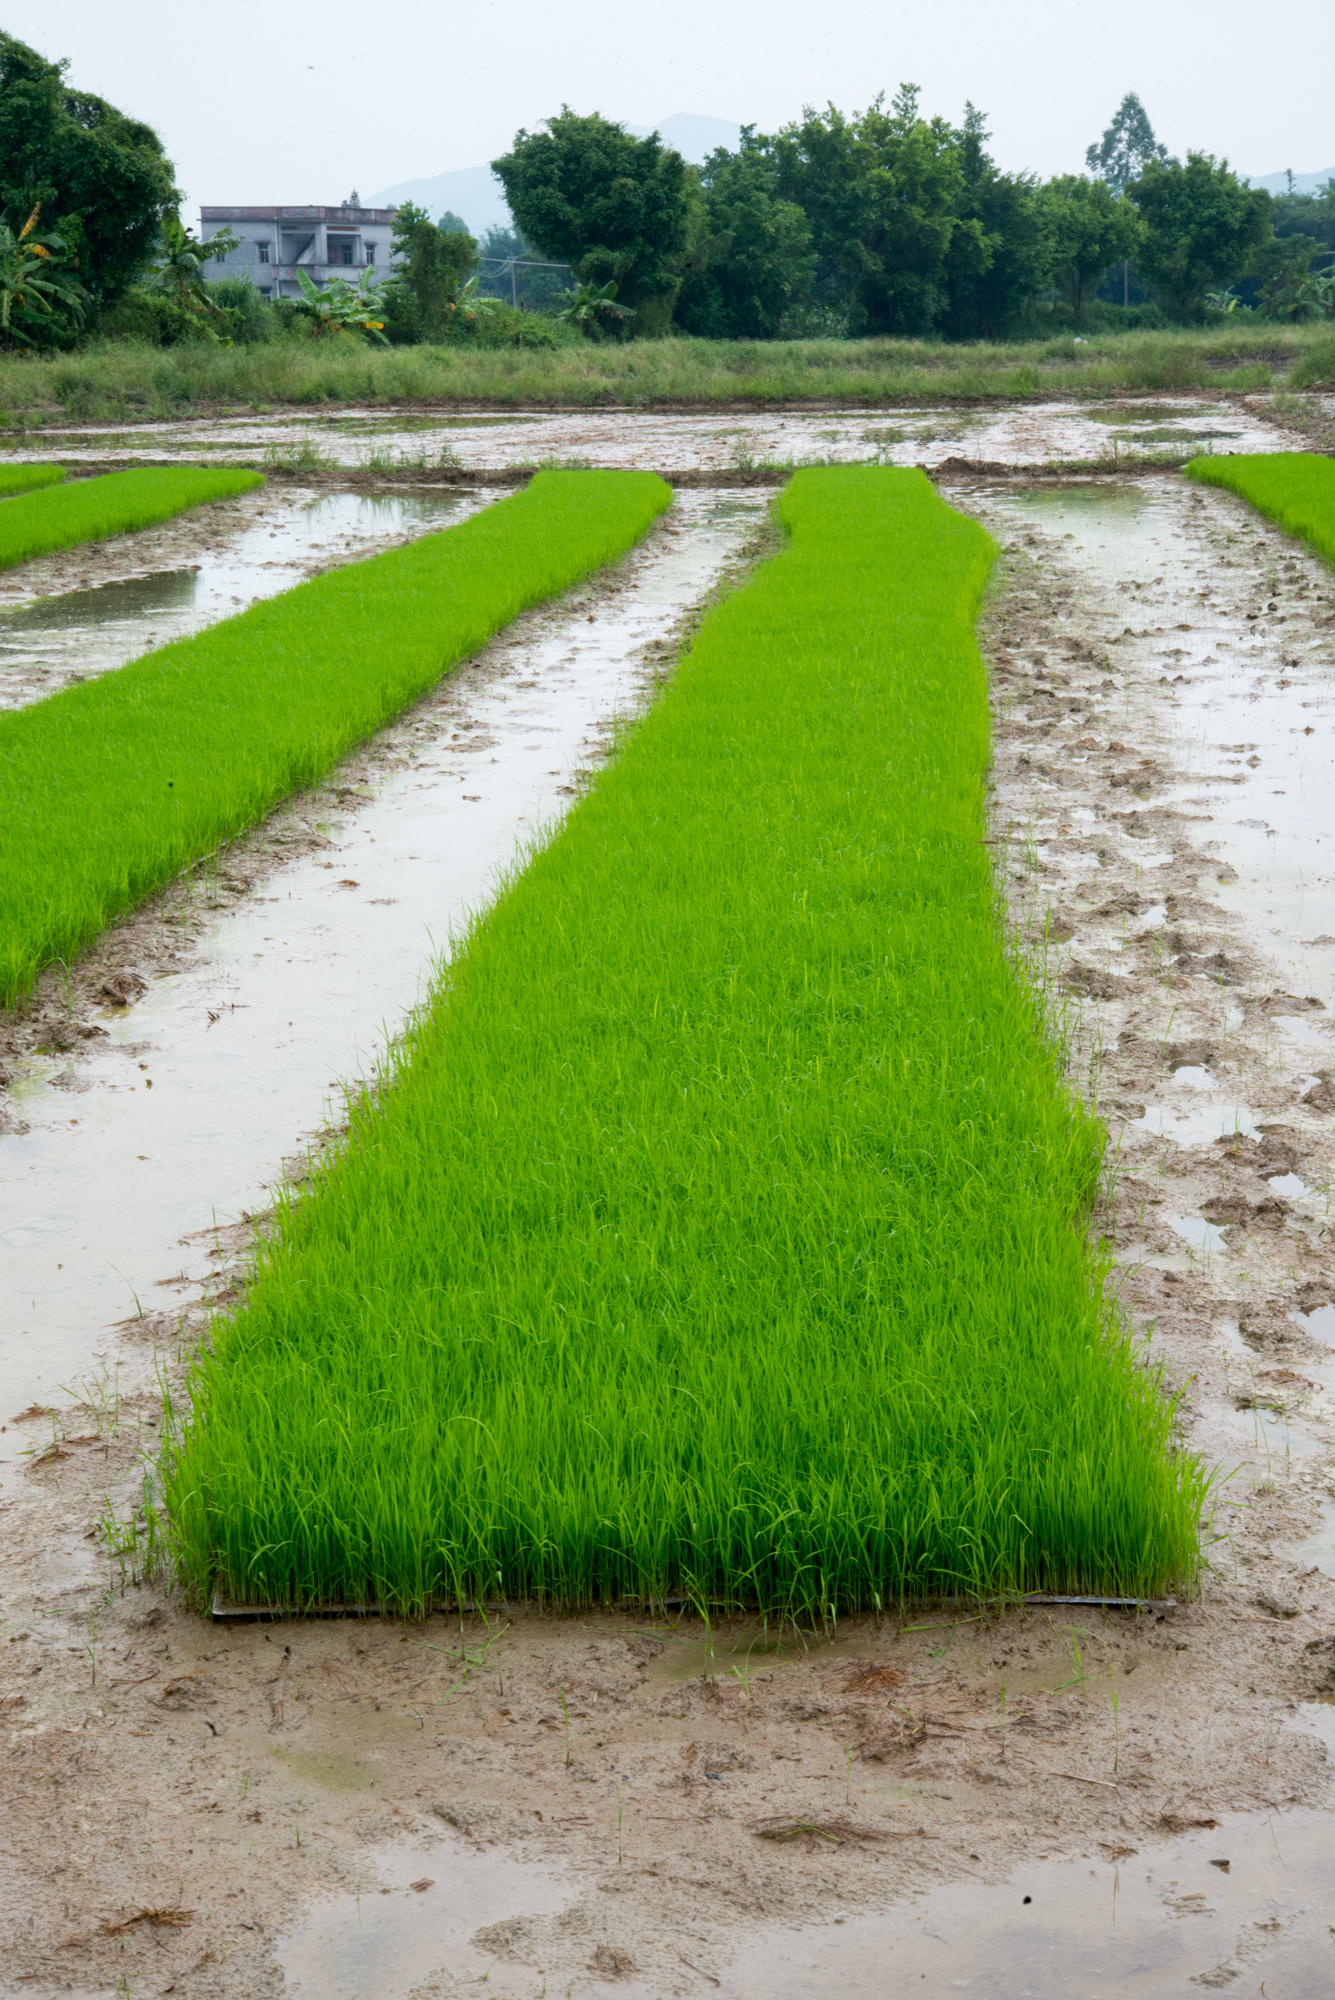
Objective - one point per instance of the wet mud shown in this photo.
(85, 611)
(713, 442)
(1037, 1799)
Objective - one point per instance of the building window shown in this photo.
(370, 253)
(262, 253)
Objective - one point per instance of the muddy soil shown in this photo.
(85, 611)
(675, 441)
(568, 1803)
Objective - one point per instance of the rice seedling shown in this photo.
(1294, 488)
(23, 478)
(112, 786)
(89, 510)
(720, 1226)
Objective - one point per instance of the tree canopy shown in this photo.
(103, 181)
(1126, 148)
(1090, 229)
(879, 190)
(431, 262)
(613, 207)
(752, 257)
(1203, 228)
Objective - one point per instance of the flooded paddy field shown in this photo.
(347, 1807)
(683, 442)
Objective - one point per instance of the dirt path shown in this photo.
(562, 1803)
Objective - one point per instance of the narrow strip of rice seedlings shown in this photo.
(23, 478)
(114, 785)
(722, 1224)
(1294, 488)
(89, 510)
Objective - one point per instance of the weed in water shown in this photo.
(721, 1226)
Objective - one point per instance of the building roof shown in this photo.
(335, 215)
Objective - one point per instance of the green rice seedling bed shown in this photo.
(1294, 488)
(720, 1228)
(23, 478)
(109, 788)
(116, 503)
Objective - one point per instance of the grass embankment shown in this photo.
(125, 381)
(721, 1226)
(1295, 488)
(22, 478)
(109, 788)
(89, 510)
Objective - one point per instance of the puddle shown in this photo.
(1202, 1125)
(415, 1914)
(1202, 1235)
(77, 634)
(1318, 1552)
(1165, 1920)
(1245, 1902)
(114, 1186)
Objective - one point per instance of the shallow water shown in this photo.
(183, 1115)
(46, 642)
(416, 1914)
(1250, 705)
(1247, 1901)
(675, 440)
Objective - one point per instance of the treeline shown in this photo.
(891, 223)
(885, 222)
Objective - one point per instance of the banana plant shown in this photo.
(339, 307)
(32, 283)
(180, 268)
(591, 307)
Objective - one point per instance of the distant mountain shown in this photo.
(472, 192)
(477, 195)
(1302, 183)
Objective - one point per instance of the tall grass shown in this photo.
(109, 788)
(1295, 488)
(89, 510)
(22, 478)
(120, 381)
(721, 1226)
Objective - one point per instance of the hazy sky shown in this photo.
(265, 100)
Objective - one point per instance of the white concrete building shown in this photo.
(278, 242)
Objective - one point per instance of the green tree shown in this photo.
(753, 256)
(1126, 148)
(1090, 228)
(1003, 256)
(430, 264)
(613, 207)
(880, 192)
(102, 179)
(1203, 228)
